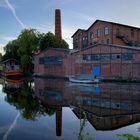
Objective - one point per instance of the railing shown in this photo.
(125, 38)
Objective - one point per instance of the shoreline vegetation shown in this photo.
(29, 43)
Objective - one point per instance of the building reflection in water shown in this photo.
(107, 106)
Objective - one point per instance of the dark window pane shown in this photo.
(105, 57)
(41, 60)
(116, 57)
(127, 56)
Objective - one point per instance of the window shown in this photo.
(83, 38)
(41, 60)
(105, 57)
(132, 33)
(102, 41)
(127, 56)
(116, 57)
(87, 57)
(106, 31)
(95, 57)
(108, 41)
(91, 35)
(50, 60)
(98, 32)
(117, 31)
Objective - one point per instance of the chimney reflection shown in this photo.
(107, 106)
(59, 121)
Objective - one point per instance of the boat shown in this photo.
(84, 81)
(11, 85)
(12, 81)
(17, 72)
(11, 68)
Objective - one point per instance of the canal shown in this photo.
(50, 109)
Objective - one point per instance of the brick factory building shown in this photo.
(105, 49)
(104, 32)
(107, 61)
(51, 62)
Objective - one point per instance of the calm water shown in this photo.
(56, 110)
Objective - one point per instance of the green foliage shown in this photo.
(29, 107)
(138, 128)
(28, 42)
(128, 136)
(25, 61)
(82, 135)
(11, 50)
(49, 41)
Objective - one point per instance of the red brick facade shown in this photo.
(112, 48)
(114, 61)
(54, 62)
(103, 32)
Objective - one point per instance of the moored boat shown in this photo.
(17, 72)
(11, 67)
(87, 79)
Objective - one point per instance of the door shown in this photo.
(96, 71)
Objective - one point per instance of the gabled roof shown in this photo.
(8, 60)
(56, 49)
(105, 22)
(113, 23)
(110, 45)
(83, 30)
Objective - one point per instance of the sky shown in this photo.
(17, 15)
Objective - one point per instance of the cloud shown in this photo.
(7, 38)
(85, 17)
(4, 40)
(67, 32)
(12, 126)
(2, 51)
(48, 27)
(11, 7)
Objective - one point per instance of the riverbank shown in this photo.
(102, 79)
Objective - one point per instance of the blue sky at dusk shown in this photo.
(39, 14)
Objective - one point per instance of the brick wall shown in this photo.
(131, 35)
(121, 68)
(60, 70)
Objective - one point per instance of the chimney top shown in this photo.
(58, 24)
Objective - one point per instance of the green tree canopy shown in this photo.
(11, 50)
(28, 44)
(49, 40)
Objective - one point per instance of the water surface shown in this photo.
(55, 110)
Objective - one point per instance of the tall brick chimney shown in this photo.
(58, 24)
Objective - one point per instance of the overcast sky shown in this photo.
(19, 14)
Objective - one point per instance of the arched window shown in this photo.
(106, 31)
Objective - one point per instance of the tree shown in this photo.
(28, 42)
(49, 40)
(11, 50)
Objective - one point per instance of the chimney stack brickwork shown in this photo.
(58, 24)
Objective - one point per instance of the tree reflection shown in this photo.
(30, 108)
